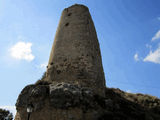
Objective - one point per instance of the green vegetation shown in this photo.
(5, 115)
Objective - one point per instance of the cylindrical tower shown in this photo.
(74, 74)
(75, 56)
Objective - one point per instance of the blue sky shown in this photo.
(128, 33)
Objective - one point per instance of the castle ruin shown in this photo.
(75, 56)
(74, 79)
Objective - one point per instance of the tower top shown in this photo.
(77, 5)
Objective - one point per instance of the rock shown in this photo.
(23, 98)
(34, 94)
(64, 95)
(68, 98)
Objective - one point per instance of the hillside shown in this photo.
(116, 105)
(127, 106)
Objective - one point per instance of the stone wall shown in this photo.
(75, 56)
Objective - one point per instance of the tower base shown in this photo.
(62, 101)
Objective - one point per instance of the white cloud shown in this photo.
(12, 109)
(156, 36)
(22, 51)
(128, 91)
(44, 65)
(153, 56)
(148, 46)
(158, 18)
(136, 58)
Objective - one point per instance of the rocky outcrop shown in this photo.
(61, 96)
(125, 107)
(64, 101)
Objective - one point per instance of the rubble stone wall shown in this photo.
(75, 56)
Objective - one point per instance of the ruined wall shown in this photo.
(75, 57)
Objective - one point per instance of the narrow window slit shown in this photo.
(69, 14)
(66, 24)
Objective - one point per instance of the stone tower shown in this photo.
(73, 87)
(75, 57)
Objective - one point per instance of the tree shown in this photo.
(5, 115)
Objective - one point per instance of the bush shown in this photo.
(5, 115)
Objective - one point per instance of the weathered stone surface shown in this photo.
(34, 94)
(75, 57)
(24, 96)
(117, 105)
(60, 97)
(64, 95)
